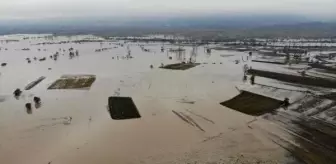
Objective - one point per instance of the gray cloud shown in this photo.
(36, 9)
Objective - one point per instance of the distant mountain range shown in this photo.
(198, 27)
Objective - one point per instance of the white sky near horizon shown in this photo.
(39, 9)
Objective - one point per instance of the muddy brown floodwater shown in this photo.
(181, 121)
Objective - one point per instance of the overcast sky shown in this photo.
(37, 9)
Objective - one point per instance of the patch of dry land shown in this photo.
(73, 82)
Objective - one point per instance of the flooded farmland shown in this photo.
(177, 97)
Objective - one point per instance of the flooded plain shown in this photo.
(182, 120)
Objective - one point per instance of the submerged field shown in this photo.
(178, 117)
